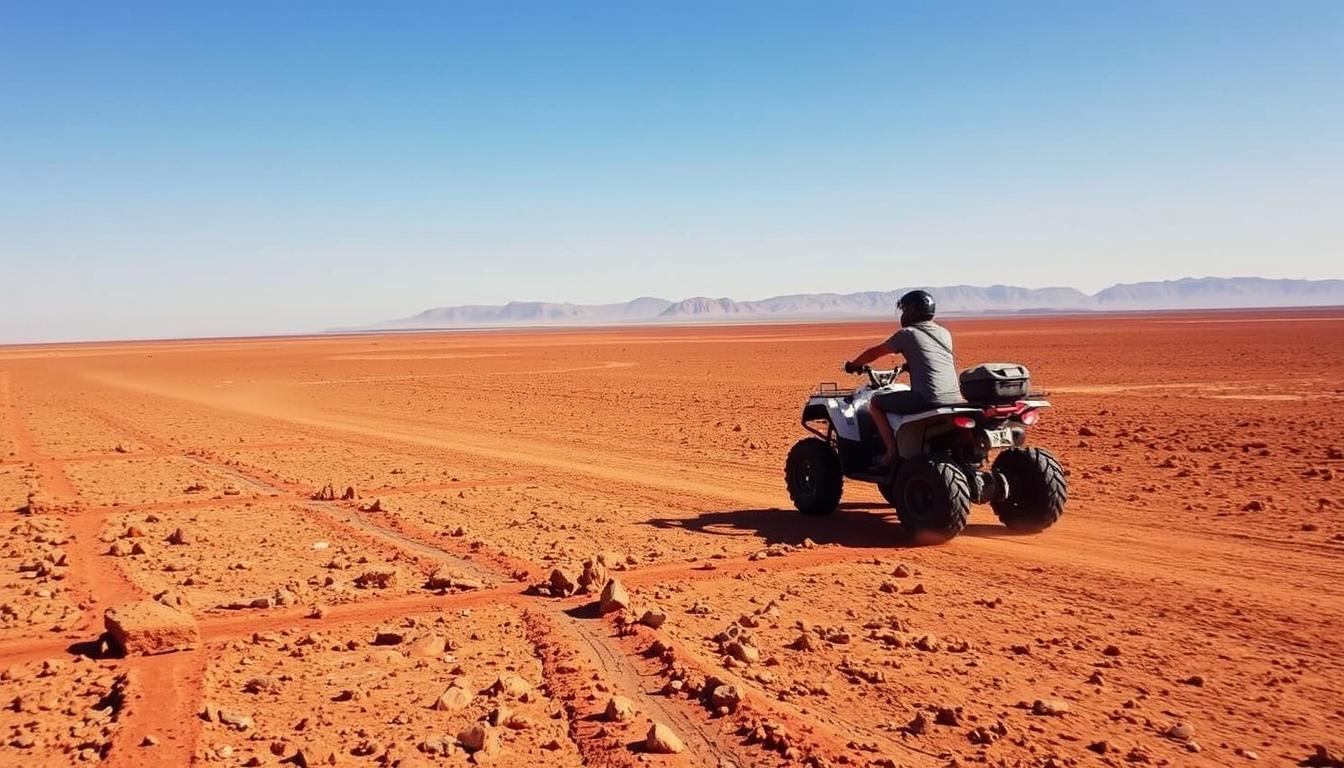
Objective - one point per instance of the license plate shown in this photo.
(1000, 438)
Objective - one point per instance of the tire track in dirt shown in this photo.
(52, 480)
(164, 695)
(704, 747)
(91, 578)
(171, 452)
(612, 466)
(238, 625)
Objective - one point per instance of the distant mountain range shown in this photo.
(1186, 293)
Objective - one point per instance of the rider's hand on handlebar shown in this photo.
(853, 367)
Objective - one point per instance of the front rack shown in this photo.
(831, 389)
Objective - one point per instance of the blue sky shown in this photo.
(180, 169)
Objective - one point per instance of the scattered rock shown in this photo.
(619, 710)
(179, 537)
(918, 725)
(444, 577)
(563, 582)
(725, 698)
(743, 651)
(653, 618)
(804, 642)
(1181, 732)
(148, 627)
(479, 738)
(614, 597)
(429, 646)
(1050, 707)
(376, 579)
(457, 696)
(662, 741)
(509, 685)
(261, 685)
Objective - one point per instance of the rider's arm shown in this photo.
(873, 353)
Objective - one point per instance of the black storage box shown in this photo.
(995, 383)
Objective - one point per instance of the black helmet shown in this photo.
(915, 307)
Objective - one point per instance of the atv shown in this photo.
(942, 454)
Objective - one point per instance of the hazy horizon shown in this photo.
(175, 170)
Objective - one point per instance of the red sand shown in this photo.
(1188, 610)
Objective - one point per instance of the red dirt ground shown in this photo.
(1188, 609)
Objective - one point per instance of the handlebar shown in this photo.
(875, 377)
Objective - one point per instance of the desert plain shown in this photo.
(391, 550)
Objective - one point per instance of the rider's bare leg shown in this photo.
(884, 429)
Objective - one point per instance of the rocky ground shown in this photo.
(574, 548)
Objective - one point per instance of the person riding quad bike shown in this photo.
(927, 348)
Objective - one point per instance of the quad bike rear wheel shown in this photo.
(931, 497)
(1037, 489)
(814, 477)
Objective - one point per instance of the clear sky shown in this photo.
(191, 168)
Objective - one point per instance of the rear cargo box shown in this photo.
(995, 383)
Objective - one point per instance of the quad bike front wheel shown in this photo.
(1037, 489)
(931, 496)
(814, 477)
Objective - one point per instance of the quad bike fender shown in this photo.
(842, 415)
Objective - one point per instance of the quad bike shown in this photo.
(943, 452)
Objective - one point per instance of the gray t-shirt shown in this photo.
(927, 348)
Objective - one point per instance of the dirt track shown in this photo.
(1188, 610)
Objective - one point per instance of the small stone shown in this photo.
(1050, 707)
(619, 710)
(803, 642)
(653, 618)
(743, 652)
(479, 738)
(614, 597)
(261, 685)
(441, 578)
(429, 646)
(918, 725)
(179, 537)
(455, 698)
(725, 697)
(509, 685)
(376, 579)
(662, 741)
(1181, 732)
(563, 582)
(928, 643)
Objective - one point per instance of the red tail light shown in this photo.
(965, 422)
(1030, 417)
